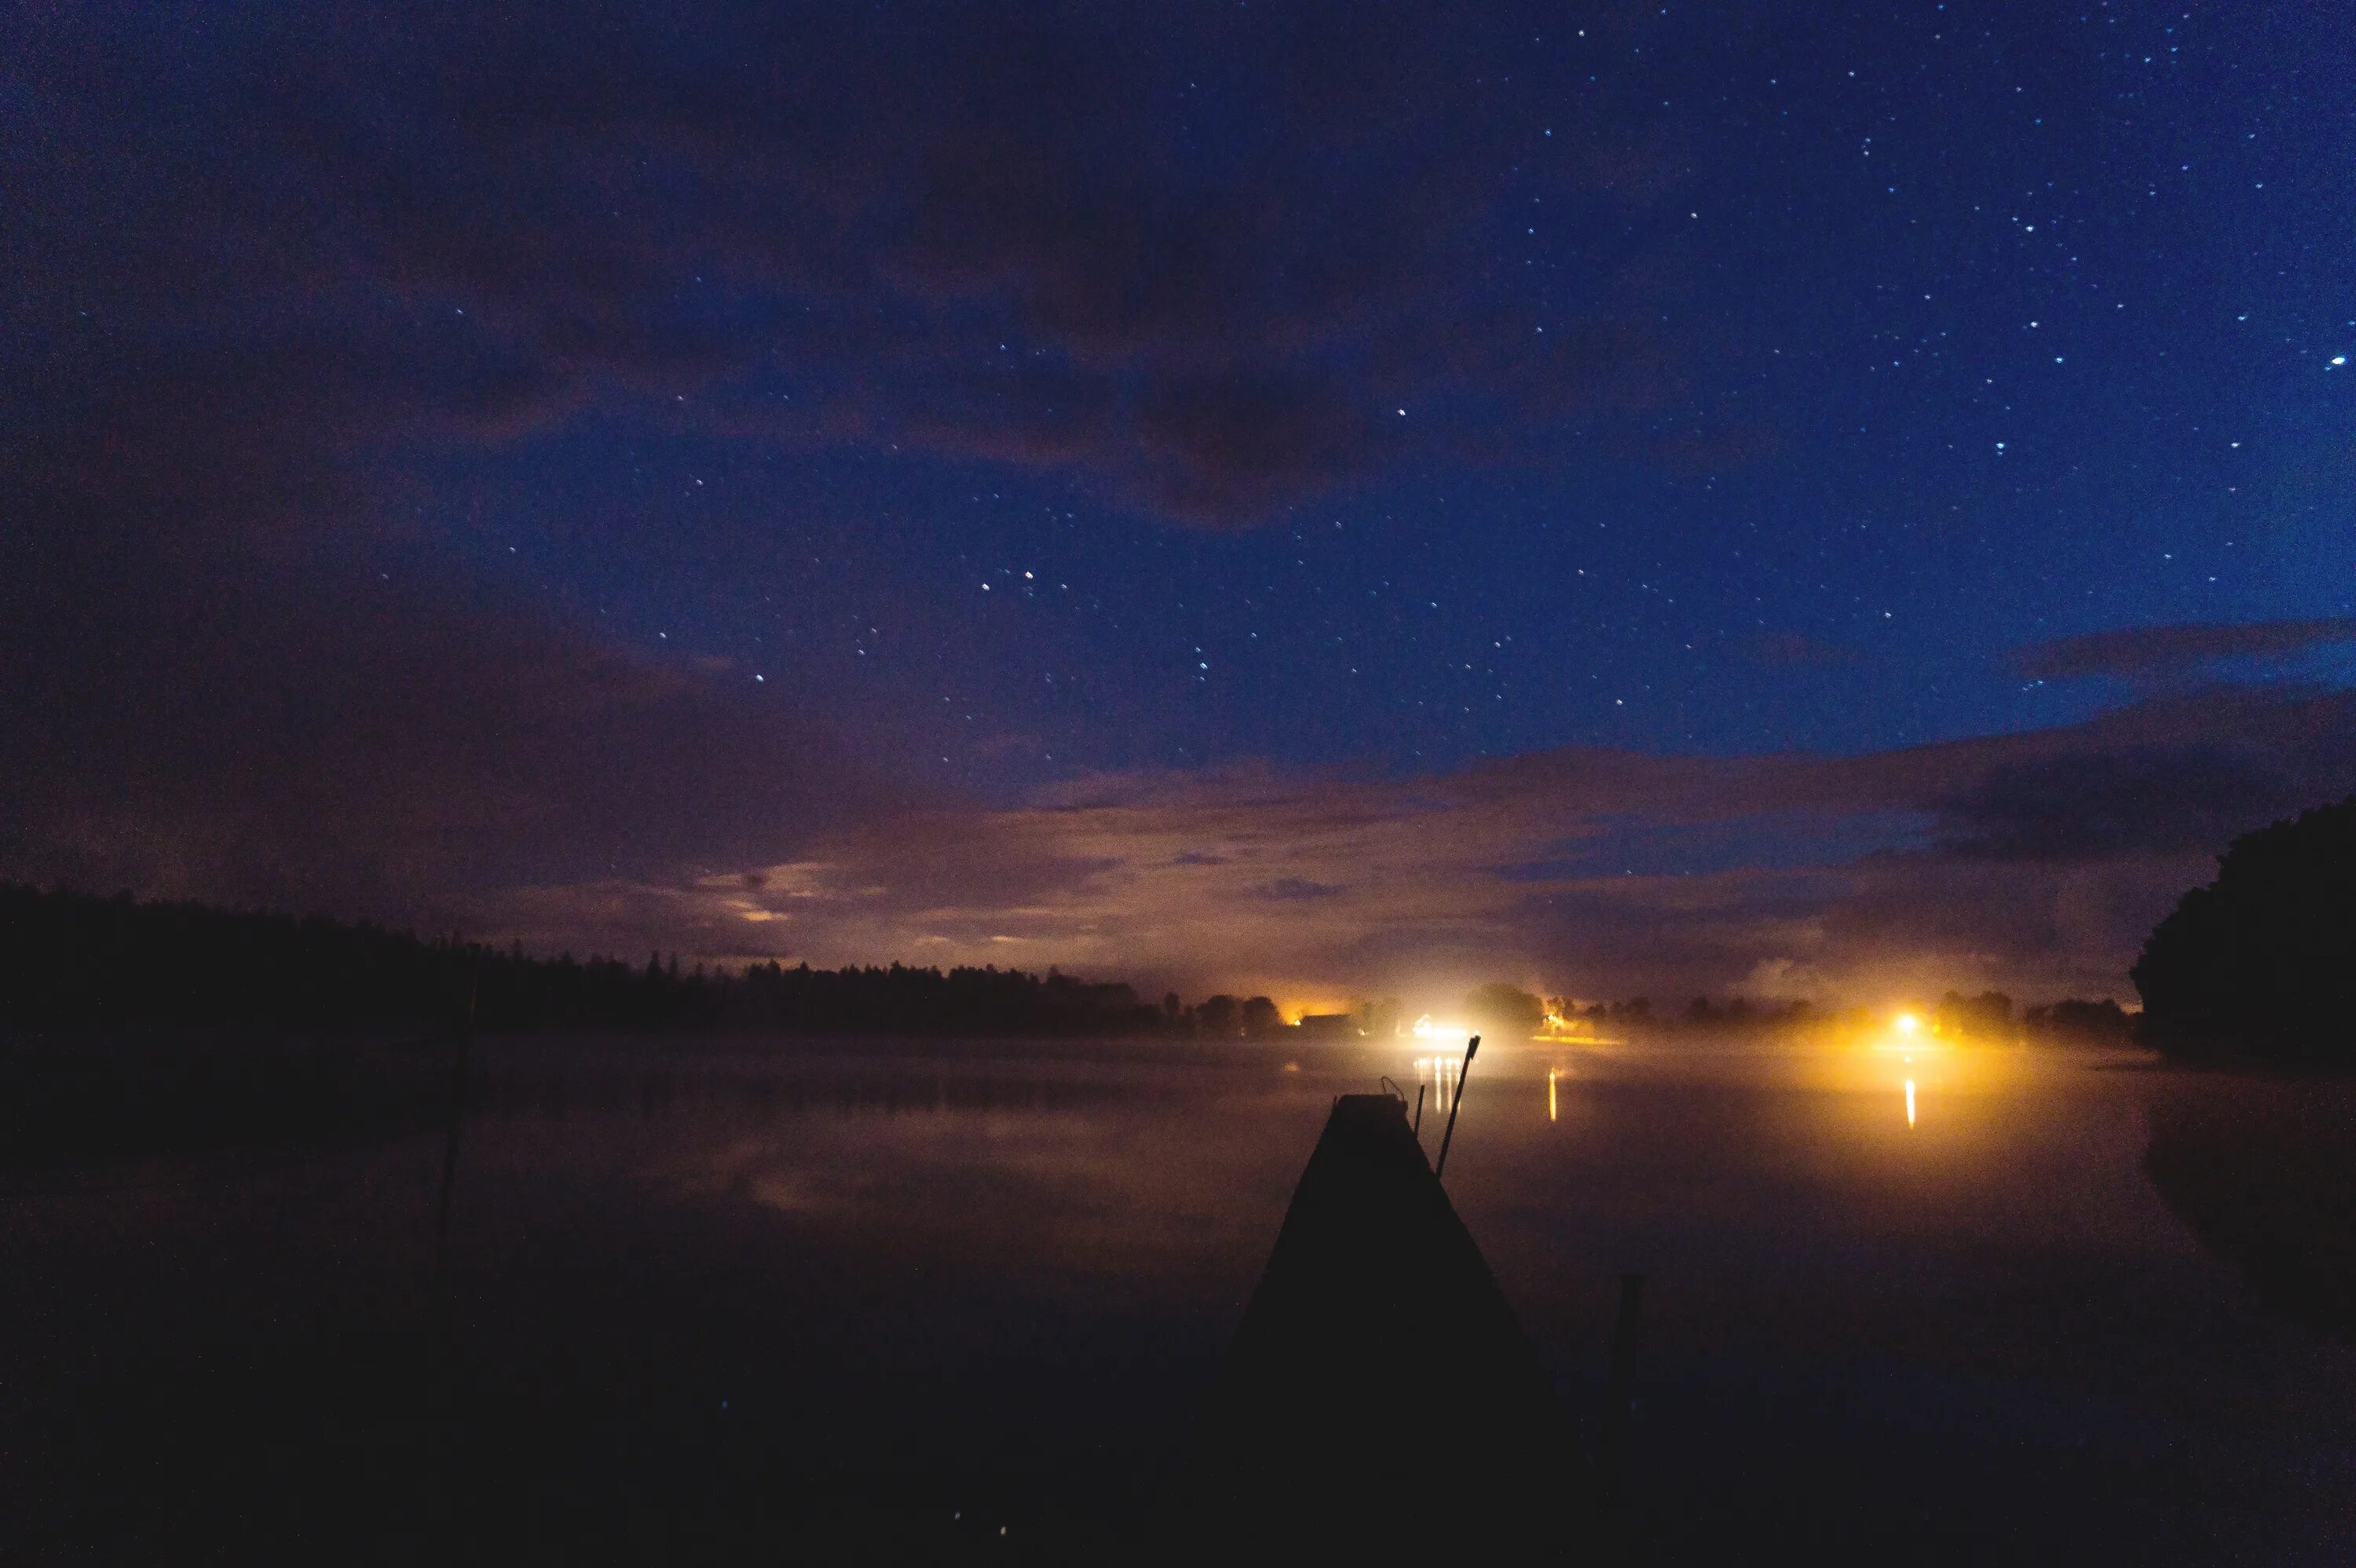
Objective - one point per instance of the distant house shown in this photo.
(1328, 1026)
(1565, 1023)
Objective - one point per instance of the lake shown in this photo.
(882, 1301)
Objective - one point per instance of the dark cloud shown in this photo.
(331, 738)
(2147, 652)
(1231, 446)
(266, 261)
(2094, 803)
(1637, 844)
(1189, 262)
(269, 266)
(1294, 889)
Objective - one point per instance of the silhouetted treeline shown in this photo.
(1741, 1013)
(1988, 1017)
(70, 959)
(2076, 1022)
(2262, 962)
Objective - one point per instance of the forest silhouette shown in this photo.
(2260, 965)
(74, 960)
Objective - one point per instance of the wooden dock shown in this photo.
(1379, 1401)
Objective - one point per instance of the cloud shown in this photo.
(329, 737)
(2094, 803)
(1196, 275)
(1287, 889)
(270, 264)
(273, 269)
(2035, 862)
(2150, 652)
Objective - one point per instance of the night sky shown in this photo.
(1802, 499)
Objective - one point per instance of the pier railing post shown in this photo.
(1455, 1103)
(1618, 1399)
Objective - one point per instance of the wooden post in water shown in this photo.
(457, 1121)
(1455, 1104)
(1618, 1397)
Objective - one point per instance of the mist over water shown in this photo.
(1901, 1304)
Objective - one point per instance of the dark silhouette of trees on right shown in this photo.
(2261, 964)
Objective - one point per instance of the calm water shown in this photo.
(707, 1304)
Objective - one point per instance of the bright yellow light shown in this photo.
(1426, 1029)
(1292, 1009)
(1907, 1023)
(1550, 1100)
(1909, 1101)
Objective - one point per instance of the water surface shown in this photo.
(704, 1301)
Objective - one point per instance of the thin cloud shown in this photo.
(2034, 861)
(2148, 652)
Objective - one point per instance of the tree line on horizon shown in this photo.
(2259, 965)
(1988, 1015)
(74, 959)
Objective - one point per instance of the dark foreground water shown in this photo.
(884, 1303)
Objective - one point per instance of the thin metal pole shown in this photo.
(1455, 1104)
(1418, 1113)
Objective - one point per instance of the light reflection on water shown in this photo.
(1911, 1069)
(1035, 1254)
(1444, 1075)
